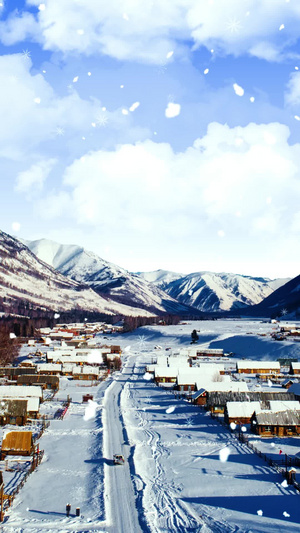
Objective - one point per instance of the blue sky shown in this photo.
(156, 134)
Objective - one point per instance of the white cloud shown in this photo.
(149, 187)
(292, 94)
(33, 179)
(32, 113)
(149, 31)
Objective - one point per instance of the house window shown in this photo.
(267, 429)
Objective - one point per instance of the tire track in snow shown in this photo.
(166, 512)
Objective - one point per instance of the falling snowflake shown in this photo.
(142, 342)
(16, 226)
(121, 86)
(260, 512)
(125, 112)
(238, 89)
(80, 32)
(172, 110)
(89, 73)
(284, 311)
(26, 54)
(101, 119)
(37, 100)
(287, 515)
(296, 68)
(134, 106)
(252, 99)
(42, 7)
(281, 27)
(75, 79)
(233, 25)
(59, 131)
(206, 71)
(224, 454)
(297, 117)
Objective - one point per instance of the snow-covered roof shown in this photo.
(295, 366)
(278, 405)
(295, 389)
(165, 371)
(33, 405)
(282, 418)
(86, 369)
(48, 367)
(258, 364)
(221, 386)
(242, 409)
(20, 391)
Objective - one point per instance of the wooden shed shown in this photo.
(13, 412)
(17, 443)
(295, 369)
(282, 424)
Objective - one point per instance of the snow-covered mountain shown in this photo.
(208, 291)
(26, 282)
(105, 278)
(284, 301)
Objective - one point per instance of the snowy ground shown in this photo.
(174, 478)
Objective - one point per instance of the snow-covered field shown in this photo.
(184, 471)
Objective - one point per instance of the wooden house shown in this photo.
(240, 412)
(216, 394)
(11, 372)
(165, 375)
(17, 443)
(281, 424)
(49, 369)
(216, 400)
(13, 412)
(209, 352)
(46, 382)
(287, 383)
(258, 367)
(87, 373)
(295, 369)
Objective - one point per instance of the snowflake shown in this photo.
(171, 98)
(233, 25)
(101, 119)
(59, 131)
(142, 342)
(284, 311)
(26, 54)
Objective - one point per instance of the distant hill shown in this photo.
(106, 278)
(27, 283)
(283, 301)
(214, 292)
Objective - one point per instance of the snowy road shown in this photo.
(122, 515)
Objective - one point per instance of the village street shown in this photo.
(78, 469)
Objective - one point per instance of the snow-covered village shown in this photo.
(149, 266)
(190, 427)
